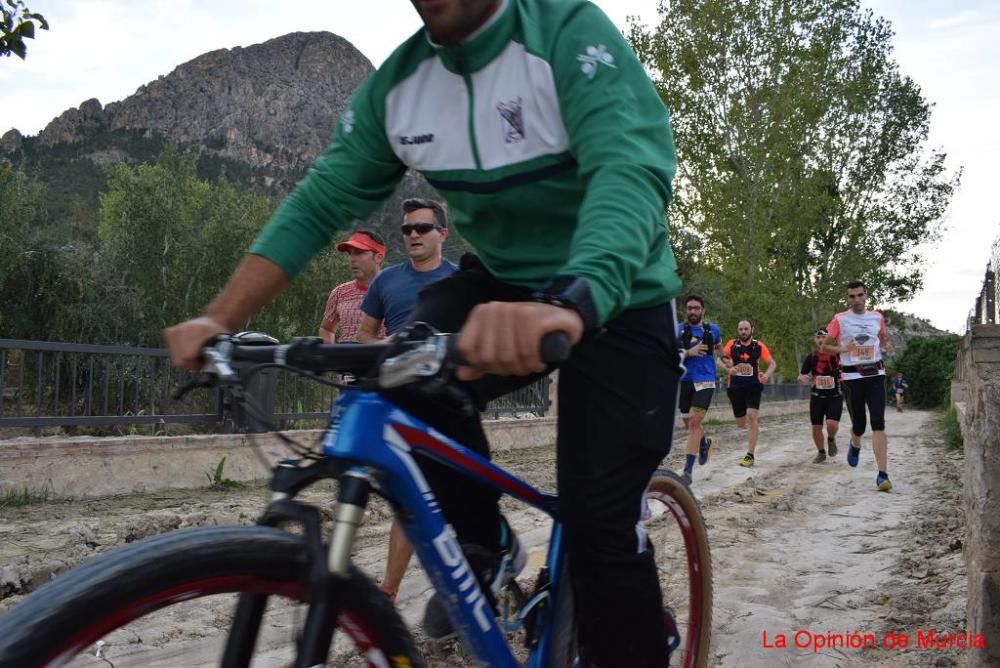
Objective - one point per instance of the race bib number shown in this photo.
(866, 353)
(825, 382)
(744, 370)
(708, 385)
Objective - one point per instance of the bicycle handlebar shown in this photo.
(311, 355)
(399, 362)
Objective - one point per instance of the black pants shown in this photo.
(616, 410)
(861, 392)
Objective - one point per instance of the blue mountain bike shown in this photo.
(217, 584)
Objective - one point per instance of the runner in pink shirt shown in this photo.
(860, 338)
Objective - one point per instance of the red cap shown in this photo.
(361, 241)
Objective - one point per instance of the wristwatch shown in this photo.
(570, 292)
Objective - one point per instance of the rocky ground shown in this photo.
(800, 551)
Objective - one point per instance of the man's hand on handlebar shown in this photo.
(185, 340)
(504, 338)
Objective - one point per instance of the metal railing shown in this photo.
(786, 392)
(50, 384)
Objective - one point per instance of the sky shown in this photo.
(108, 48)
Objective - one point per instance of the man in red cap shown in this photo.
(365, 252)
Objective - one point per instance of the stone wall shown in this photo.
(97, 467)
(88, 466)
(976, 396)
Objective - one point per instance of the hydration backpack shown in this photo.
(707, 338)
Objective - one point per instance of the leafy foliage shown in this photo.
(952, 432)
(43, 264)
(928, 364)
(168, 241)
(217, 480)
(802, 158)
(115, 255)
(18, 23)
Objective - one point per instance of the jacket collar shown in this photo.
(480, 48)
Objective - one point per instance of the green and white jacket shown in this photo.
(541, 130)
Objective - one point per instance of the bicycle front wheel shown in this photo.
(677, 532)
(169, 601)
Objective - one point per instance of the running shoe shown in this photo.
(747, 460)
(705, 449)
(831, 447)
(882, 482)
(853, 454)
(673, 633)
(820, 457)
(686, 477)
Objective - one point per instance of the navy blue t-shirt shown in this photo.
(393, 294)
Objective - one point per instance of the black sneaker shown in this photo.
(494, 570)
(820, 457)
(831, 447)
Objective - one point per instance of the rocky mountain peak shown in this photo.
(270, 105)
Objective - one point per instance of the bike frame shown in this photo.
(377, 439)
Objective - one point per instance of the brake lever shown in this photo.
(216, 369)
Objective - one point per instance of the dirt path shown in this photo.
(796, 546)
(804, 547)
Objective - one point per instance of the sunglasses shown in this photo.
(420, 228)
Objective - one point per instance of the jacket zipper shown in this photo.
(460, 63)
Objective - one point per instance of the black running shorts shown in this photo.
(825, 408)
(692, 397)
(744, 397)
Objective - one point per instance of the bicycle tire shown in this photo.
(668, 488)
(78, 608)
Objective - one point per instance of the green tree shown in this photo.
(802, 156)
(927, 364)
(44, 270)
(168, 242)
(18, 23)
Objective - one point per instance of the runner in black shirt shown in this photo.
(822, 371)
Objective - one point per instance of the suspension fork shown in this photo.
(329, 569)
(329, 578)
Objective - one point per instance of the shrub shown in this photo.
(927, 364)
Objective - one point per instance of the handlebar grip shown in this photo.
(555, 348)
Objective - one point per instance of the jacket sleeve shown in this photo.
(346, 183)
(619, 135)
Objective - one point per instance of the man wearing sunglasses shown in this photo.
(555, 155)
(387, 308)
(393, 293)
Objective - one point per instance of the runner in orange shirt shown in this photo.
(745, 383)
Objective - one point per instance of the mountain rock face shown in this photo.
(73, 125)
(271, 106)
(11, 141)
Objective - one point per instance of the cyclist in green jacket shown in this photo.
(556, 160)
